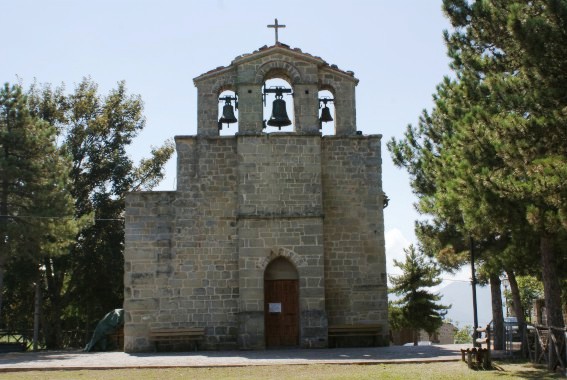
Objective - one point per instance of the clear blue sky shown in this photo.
(395, 48)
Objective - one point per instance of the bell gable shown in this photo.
(246, 75)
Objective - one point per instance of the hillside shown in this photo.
(459, 295)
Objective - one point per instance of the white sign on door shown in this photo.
(275, 307)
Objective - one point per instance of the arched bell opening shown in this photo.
(278, 113)
(228, 113)
(281, 304)
(327, 113)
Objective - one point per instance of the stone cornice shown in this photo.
(274, 49)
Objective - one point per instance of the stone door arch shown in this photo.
(281, 304)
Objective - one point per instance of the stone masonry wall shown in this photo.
(355, 262)
(206, 236)
(279, 175)
(280, 214)
(148, 280)
(196, 257)
(181, 260)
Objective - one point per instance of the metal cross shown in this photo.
(276, 26)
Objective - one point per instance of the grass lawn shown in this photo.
(438, 371)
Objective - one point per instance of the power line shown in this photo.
(56, 217)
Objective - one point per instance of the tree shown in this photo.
(395, 317)
(510, 59)
(530, 289)
(36, 207)
(93, 133)
(491, 151)
(419, 307)
(464, 335)
(96, 132)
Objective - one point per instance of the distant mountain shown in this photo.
(459, 295)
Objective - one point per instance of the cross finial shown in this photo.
(276, 26)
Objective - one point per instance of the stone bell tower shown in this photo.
(270, 237)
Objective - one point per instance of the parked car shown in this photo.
(512, 329)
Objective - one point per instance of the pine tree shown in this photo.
(36, 207)
(95, 132)
(420, 308)
(490, 159)
(516, 54)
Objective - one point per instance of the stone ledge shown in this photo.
(280, 216)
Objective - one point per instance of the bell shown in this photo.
(325, 115)
(279, 116)
(227, 114)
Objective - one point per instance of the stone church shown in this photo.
(271, 237)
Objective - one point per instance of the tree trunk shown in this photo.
(415, 336)
(53, 333)
(497, 314)
(519, 311)
(4, 220)
(37, 313)
(2, 270)
(551, 285)
(551, 291)
(4, 249)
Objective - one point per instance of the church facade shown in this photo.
(269, 238)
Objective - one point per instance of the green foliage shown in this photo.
(395, 317)
(464, 335)
(531, 289)
(419, 308)
(94, 132)
(36, 205)
(490, 160)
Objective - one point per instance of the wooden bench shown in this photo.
(336, 332)
(179, 335)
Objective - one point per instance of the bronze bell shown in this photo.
(325, 115)
(227, 114)
(279, 116)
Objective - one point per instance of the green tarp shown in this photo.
(107, 325)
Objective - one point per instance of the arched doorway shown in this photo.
(281, 304)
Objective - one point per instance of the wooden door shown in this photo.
(281, 313)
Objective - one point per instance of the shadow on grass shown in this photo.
(531, 370)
